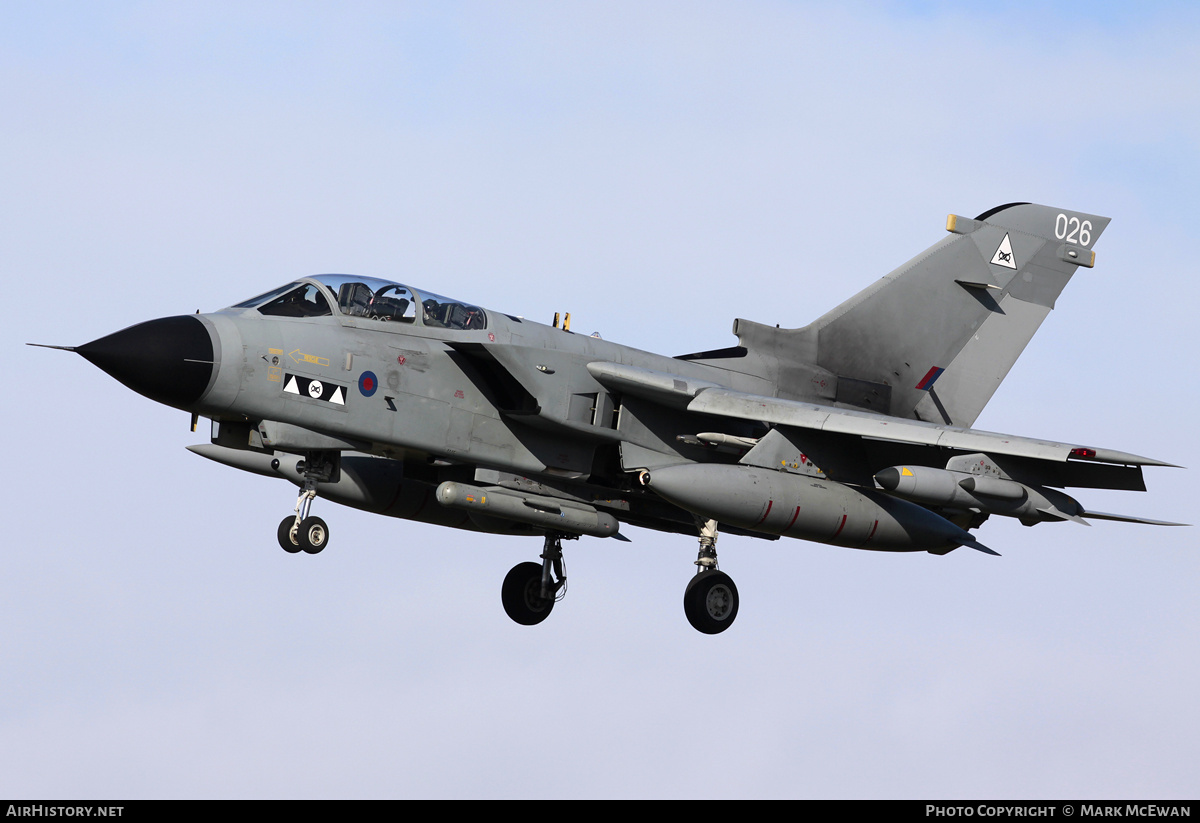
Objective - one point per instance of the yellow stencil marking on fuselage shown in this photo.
(301, 357)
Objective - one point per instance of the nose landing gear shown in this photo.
(302, 532)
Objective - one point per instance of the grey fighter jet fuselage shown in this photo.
(853, 431)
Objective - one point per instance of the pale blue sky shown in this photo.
(657, 170)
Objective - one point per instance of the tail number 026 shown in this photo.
(1071, 230)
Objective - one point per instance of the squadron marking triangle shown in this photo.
(1004, 254)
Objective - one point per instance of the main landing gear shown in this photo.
(710, 600)
(302, 532)
(530, 590)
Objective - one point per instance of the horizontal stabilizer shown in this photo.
(979, 547)
(1127, 518)
(1059, 514)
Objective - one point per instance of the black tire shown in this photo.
(522, 595)
(710, 602)
(313, 534)
(286, 540)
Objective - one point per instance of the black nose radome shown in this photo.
(169, 360)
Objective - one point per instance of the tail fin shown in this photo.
(934, 338)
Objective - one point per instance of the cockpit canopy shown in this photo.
(369, 298)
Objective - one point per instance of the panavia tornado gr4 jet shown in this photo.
(854, 430)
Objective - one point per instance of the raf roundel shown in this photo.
(368, 383)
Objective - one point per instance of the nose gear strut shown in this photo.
(303, 532)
